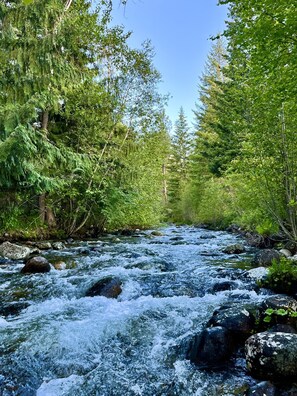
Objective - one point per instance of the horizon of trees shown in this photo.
(85, 142)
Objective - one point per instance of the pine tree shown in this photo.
(181, 148)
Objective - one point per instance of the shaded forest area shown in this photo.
(85, 142)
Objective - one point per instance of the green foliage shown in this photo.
(83, 135)
(277, 315)
(282, 277)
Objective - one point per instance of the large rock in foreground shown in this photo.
(36, 265)
(13, 251)
(107, 287)
(211, 348)
(272, 356)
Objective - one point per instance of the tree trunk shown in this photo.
(46, 213)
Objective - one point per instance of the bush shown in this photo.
(282, 277)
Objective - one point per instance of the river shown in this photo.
(64, 343)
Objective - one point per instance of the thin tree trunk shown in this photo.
(46, 213)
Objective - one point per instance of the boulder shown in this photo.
(211, 348)
(13, 251)
(272, 356)
(264, 258)
(36, 264)
(239, 321)
(107, 287)
(234, 249)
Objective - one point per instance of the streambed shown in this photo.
(64, 343)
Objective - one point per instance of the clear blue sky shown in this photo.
(180, 32)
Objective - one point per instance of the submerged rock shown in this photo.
(36, 264)
(13, 251)
(264, 258)
(211, 348)
(107, 287)
(223, 286)
(272, 355)
(156, 233)
(11, 309)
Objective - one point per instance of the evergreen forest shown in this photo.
(86, 145)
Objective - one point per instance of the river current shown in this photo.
(63, 343)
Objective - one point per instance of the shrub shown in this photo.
(282, 277)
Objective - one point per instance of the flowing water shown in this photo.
(63, 343)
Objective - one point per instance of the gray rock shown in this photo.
(211, 348)
(272, 356)
(265, 257)
(234, 249)
(43, 245)
(13, 251)
(286, 253)
(35, 265)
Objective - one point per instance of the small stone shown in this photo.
(44, 245)
(286, 253)
(58, 245)
(60, 265)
